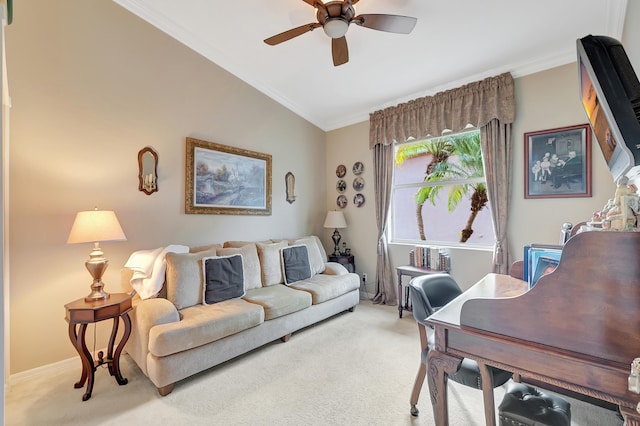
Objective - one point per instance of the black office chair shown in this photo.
(428, 294)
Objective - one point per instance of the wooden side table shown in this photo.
(79, 315)
(411, 271)
(346, 261)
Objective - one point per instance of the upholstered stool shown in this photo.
(524, 405)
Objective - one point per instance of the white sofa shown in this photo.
(177, 334)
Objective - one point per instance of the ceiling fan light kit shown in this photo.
(335, 17)
(335, 27)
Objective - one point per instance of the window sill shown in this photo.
(448, 246)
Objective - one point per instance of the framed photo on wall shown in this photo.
(223, 179)
(557, 162)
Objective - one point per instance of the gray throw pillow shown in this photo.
(223, 278)
(251, 262)
(316, 259)
(295, 264)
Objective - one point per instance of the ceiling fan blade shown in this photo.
(294, 32)
(313, 2)
(389, 23)
(339, 50)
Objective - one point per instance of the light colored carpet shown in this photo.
(353, 369)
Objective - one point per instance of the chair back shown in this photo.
(431, 292)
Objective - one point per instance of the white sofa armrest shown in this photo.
(152, 312)
(335, 268)
(145, 315)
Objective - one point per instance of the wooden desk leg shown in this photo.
(400, 294)
(116, 356)
(631, 417)
(487, 394)
(438, 366)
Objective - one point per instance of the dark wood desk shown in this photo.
(80, 314)
(577, 329)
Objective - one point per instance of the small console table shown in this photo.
(80, 314)
(410, 271)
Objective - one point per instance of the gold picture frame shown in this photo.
(222, 179)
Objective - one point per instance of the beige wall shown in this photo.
(91, 85)
(544, 100)
(347, 146)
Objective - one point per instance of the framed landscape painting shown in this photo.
(221, 179)
(557, 162)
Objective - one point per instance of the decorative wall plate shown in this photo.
(341, 201)
(358, 168)
(341, 186)
(341, 170)
(358, 183)
(358, 200)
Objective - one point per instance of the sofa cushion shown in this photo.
(316, 259)
(295, 263)
(269, 255)
(184, 277)
(252, 275)
(238, 244)
(325, 287)
(223, 278)
(278, 300)
(204, 247)
(202, 324)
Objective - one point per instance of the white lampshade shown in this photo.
(96, 225)
(335, 220)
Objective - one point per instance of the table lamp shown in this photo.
(92, 227)
(335, 220)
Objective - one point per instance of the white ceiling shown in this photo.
(454, 42)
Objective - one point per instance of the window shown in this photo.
(439, 192)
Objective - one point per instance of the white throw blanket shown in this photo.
(149, 267)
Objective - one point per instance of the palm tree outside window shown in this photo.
(440, 193)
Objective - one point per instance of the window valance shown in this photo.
(475, 103)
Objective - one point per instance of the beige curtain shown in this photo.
(495, 139)
(489, 105)
(383, 169)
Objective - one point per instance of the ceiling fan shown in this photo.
(335, 17)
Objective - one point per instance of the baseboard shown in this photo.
(24, 376)
(365, 295)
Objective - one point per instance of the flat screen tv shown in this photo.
(610, 94)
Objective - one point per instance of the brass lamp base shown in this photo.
(96, 266)
(97, 293)
(94, 297)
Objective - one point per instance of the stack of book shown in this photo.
(430, 257)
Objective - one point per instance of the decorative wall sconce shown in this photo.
(290, 181)
(148, 170)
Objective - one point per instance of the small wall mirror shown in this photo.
(148, 170)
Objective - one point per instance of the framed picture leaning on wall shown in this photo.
(557, 162)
